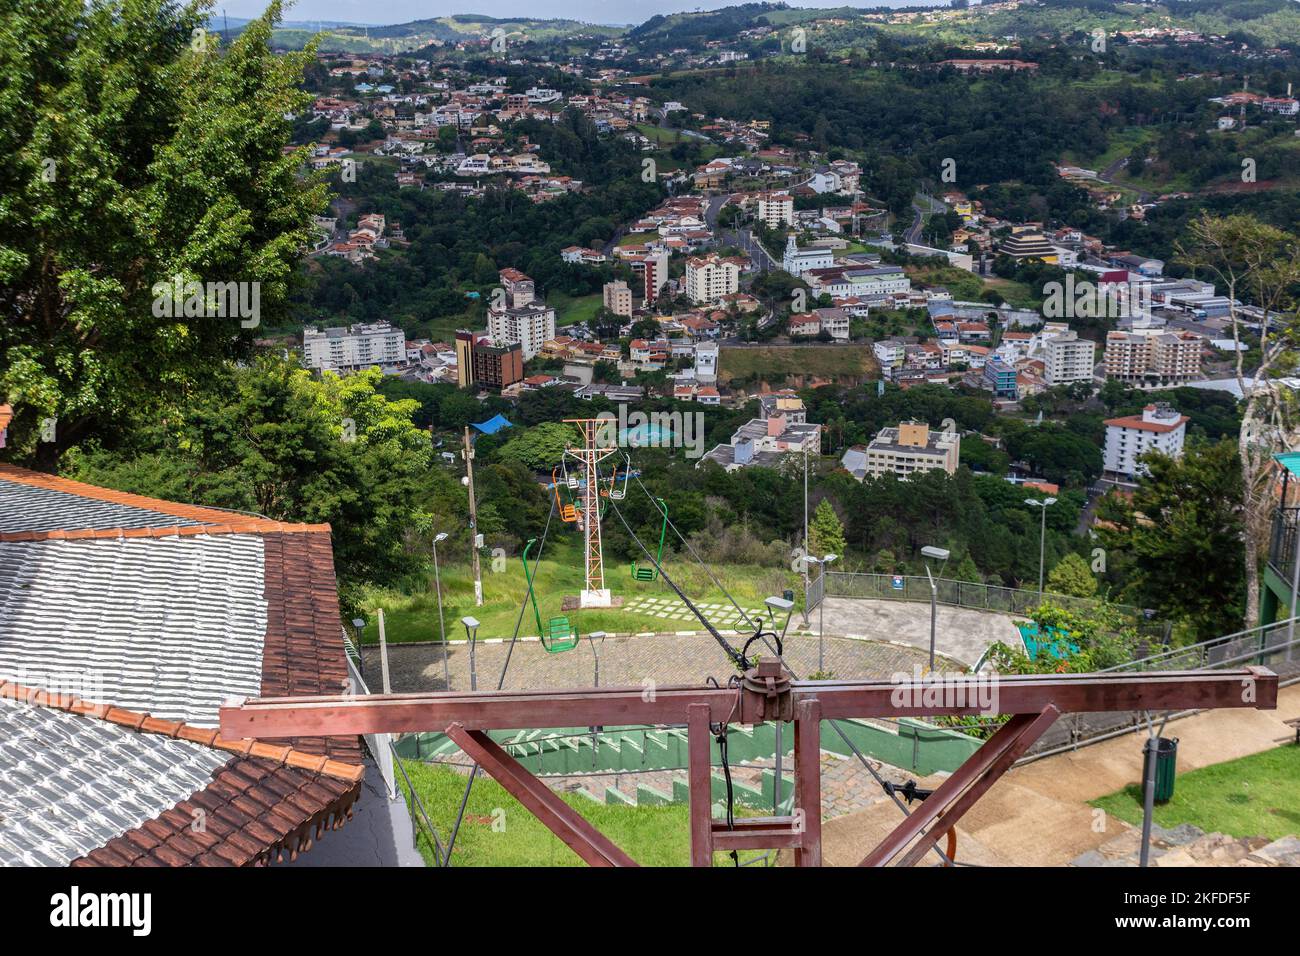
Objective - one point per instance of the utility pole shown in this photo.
(473, 521)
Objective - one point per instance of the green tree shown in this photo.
(825, 531)
(272, 439)
(1072, 576)
(1182, 531)
(541, 447)
(136, 154)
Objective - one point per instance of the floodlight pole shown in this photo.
(806, 544)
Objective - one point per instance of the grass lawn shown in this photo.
(637, 239)
(498, 831)
(774, 363)
(569, 310)
(414, 617)
(1257, 795)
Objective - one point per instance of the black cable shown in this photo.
(735, 656)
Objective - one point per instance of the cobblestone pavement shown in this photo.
(624, 661)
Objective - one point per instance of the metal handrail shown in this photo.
(417, 802)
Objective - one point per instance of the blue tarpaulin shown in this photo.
(492, 425)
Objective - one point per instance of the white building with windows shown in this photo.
(1159, 428)
(776, 210)
(709, 278)
(529, 326)
(797, 261)
(1068, 358)
(342, 349)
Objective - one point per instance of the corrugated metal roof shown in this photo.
(26, 507)
(171, 626)
(71, 784)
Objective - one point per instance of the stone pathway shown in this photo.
(1186, 845)
(721, 616)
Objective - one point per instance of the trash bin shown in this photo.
(1166, 768)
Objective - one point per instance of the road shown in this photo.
(921, 206)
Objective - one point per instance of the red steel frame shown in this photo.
(1034, 701)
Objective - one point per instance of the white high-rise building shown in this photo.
(1068, 358)
(361, 346)
(1159, 428)
(528, 326)
(709, 278)
(776, 210)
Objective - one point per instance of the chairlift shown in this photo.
(651, 573)
(557, 634)
(568, 512)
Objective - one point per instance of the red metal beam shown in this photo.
(590, 844)
(699, 777)
(981, 767)
(808, 781)
(1028, 694)
(950, 817)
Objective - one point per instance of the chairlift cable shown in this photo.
(700, 561)
(736, 657)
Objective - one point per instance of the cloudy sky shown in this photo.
(592, 11)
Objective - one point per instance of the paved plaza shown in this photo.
(624, 661)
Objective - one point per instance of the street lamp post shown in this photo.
(471, 628)
(821, 610)
(359, 624)
(940, 555)
(442, 624)
(1042, 537)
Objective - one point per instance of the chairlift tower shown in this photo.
(593, 451)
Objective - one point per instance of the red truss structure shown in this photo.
(765, 694)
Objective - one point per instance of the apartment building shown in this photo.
(529, 326)
(1068, 358)
(651, 268)
(519, 288)
(1159, 428)
(709, 278)
(1153, 358)
(618, 298)
(909, 449)
(481, 361)
(343, 349)
(776, 211)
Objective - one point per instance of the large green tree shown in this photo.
(273, 439)
(137, 152)
(1181, 538)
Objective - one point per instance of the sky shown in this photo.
(591, 11)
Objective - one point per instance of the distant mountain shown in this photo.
(406, 37)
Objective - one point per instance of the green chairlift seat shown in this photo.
(558, 634)
(651, 573)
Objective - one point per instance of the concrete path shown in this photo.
(961, 634)
(1038, 814)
